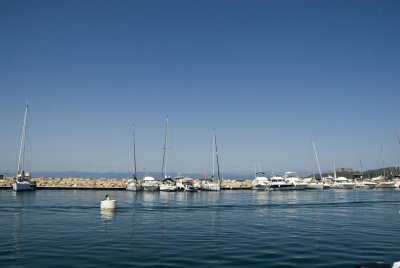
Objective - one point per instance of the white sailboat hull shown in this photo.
(210, 187)
(342, 186)
(300, 186)
(133, 186)
(150, 188)
(386, 184)
(315, 186)
(24, 186)
(260, 187)
(168, 188)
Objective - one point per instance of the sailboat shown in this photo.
(384, 182)
(314, 184)
(133, 184)
(212, 184)
(23, 180)
(167, 184)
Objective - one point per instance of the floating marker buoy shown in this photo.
(108, 204)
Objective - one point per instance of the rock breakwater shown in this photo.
(105, 183)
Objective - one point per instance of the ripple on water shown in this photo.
(226, 229)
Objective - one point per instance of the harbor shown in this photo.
(249, 184)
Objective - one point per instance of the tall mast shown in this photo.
(213, 155)
(316, 156)
(164, 165)
(383, 164)
(398, 155)
(334, 170)
(134, 153)
(21, 157)
(216, 154)
(361, 169)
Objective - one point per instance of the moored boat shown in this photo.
(213, 184)
(342, 183)
(261, 182)
(279, 183)
(292, 178)
(23, 180)
(150, 184)
(133, 184)
(167, 184)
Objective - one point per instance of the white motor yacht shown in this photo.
(279, 183)
(292, 178)
(386, 184)
(364, 184)
(342, 183)
(260, 182)
(150, 184)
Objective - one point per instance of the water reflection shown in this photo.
(107, 215)
(149, 198)
(22, 200)
(18, 229)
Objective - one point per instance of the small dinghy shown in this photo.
(108, 204)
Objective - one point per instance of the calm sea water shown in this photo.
(332, 228)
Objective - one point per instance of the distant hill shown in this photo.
(345, 172)
(350, 173)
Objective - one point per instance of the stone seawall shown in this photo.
(104, 183)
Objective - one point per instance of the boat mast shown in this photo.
(398, 155)
(383, 164)
(164, 164)
(316, 156)
(334, 170)
(216, 155)
(213, 155)
(134, 153)
(21, 157)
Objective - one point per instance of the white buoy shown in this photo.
(108, 204)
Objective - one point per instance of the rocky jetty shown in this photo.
(105, 183)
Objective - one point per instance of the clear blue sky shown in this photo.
(264, 74)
